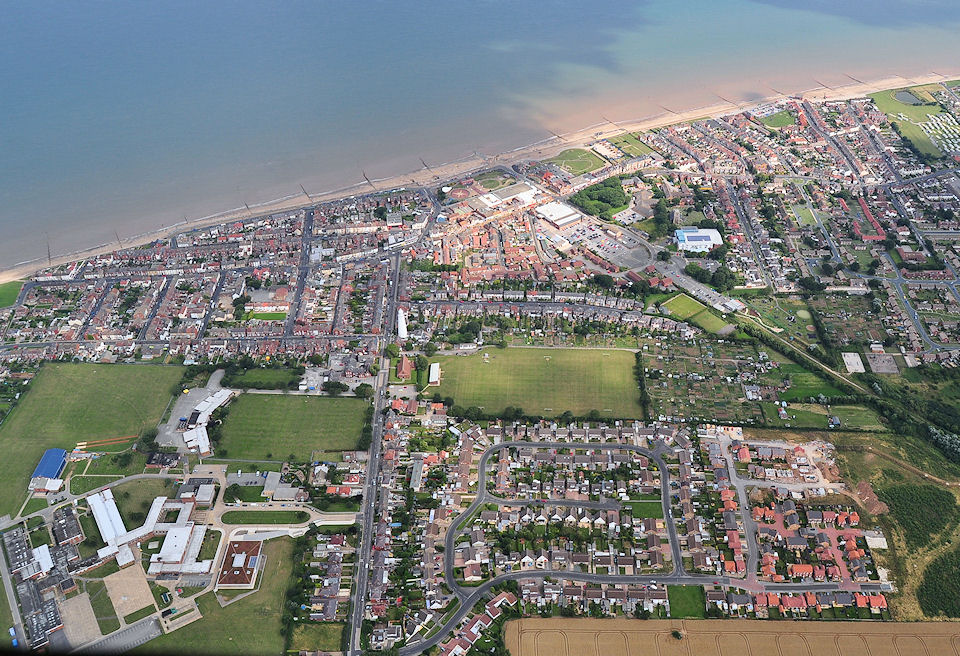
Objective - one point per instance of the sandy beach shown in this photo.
(450, 170)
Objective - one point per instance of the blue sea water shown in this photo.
(122, 117)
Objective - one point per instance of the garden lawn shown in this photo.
(70, 403)
(687, 601)
(682, 307)
(543, 381)
(251, 625)
(577, 161)
(272, 426)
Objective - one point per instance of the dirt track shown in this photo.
(586, 637)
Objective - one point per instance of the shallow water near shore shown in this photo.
(119, 118)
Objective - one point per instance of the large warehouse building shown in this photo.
(559, 215)
(695, 240)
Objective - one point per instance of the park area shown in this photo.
(70, 403)
(274, 426)
(544, 382)
(630, 145)
(252, 625)
(9, 292)
(908, 109)
(577, 161)
(593, 637)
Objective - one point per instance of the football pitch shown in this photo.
(273, 426)
(543, 381)
(70, 403)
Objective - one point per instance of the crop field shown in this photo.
(699, 381)
(577, 161)
(9, 292)
(249, 626)
(272, 426)
(70, 403)
(779, 120)
(682, 307)
(543, 381)
(629, 144)
(591, 637)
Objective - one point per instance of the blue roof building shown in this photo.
(697, 240)
(51, 464)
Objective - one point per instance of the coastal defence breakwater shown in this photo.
(428, 177)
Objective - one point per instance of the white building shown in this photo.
(559, 215)
(696, 240)
(401, 324)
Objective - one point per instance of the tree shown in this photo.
(380, 212)
(392, 351)
(429, 348)
(334, 388)
(663, 256)
(420, 363)
(364, 390)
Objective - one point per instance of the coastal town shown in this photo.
(709, 370)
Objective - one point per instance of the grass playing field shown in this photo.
(708, 321)
(70, 403)
(543, 381)
(577, 161)
(9, 292)
(920, 139)
(682, 307)
(886, 101)
(632, 146)
(779, 120)
(249, 626)
(272, 426)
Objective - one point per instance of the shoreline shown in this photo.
(448, 170)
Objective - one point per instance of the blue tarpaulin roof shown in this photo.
(51, 464)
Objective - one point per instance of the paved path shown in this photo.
(126, 639)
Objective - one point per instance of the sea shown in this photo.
(117, 118)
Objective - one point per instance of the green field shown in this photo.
(804, 215)
(69, 403)
(249, 626)
(9, 292)
(272, 426)
(807, 415)
(645, 509)
(265, 517)
(887, 102)
(804, 384)
(682, 307)
(577, 161)
(632, 146)
(687, 601)
(6, 618)
(919, 138)
(268, 316)
(708, 321)
(543, 381)
(263, 378)
(102, 607)
(135, 497)
(317, 636)
(779, 120)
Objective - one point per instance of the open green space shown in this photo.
(33, 505)
(9, 292)
(632, 146)
(6, 617)
(920, 139)
(804, 215)
(119, 464)
(252, 625)
(208, 549)
(708, 321)
(687, 601)
(135, 497)
(645, 509)
(544, 382)
(268, 316)
(243, 493)
(84, 484)
(138, 615)
(265, 517)
(317, 636)
(577, 161)
(813, 415)
(922, 511)
(779, 120)
(887, 102)
(102, 607)
(682, 307)
(263, 378)
(70, 403)
(804, 384)
(268, 426)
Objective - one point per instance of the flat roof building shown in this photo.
(696, 240)
(559, 215)
(239, 568)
